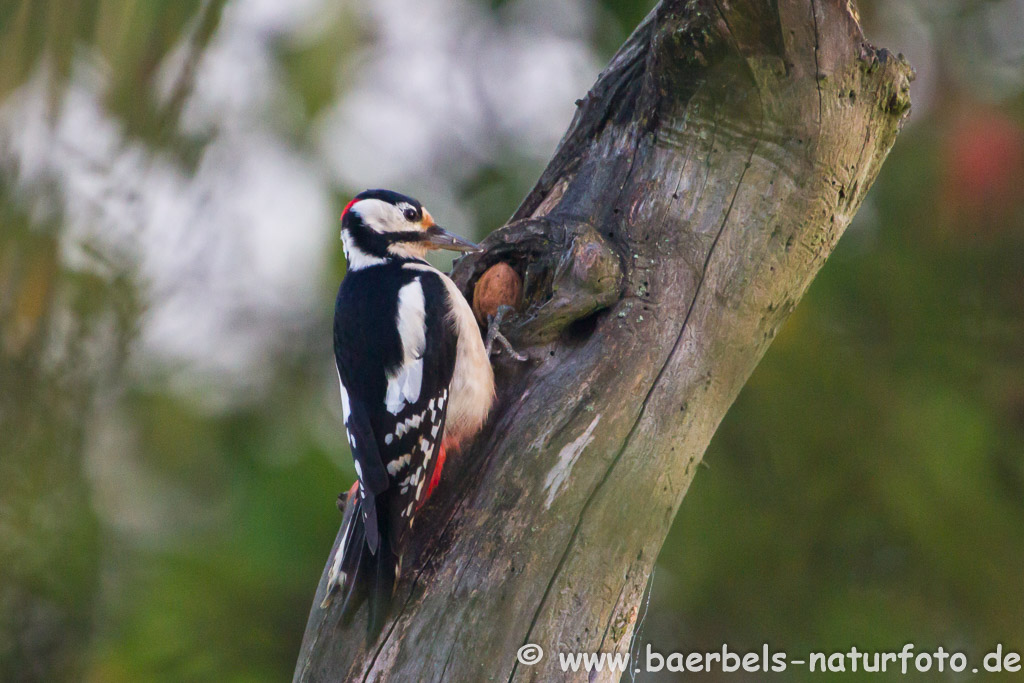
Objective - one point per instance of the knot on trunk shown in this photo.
(551, 274)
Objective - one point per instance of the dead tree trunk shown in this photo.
(703, 182)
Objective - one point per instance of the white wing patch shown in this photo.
(380, 215)
(345, 407)
(404, 386)
(472, 387)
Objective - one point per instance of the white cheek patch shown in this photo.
(380, 216)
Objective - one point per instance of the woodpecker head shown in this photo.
(380, 224)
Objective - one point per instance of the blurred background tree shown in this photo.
(170, 434)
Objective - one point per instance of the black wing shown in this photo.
(399, 398)
(415, 450)
(370, 467)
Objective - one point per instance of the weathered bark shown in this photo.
(704, 181)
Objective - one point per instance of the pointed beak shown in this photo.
(439, 238)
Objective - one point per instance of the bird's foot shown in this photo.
(335, 579)
(494, 334)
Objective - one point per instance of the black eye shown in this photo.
(411, 215)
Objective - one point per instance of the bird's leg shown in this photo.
(494, 333)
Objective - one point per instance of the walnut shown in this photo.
(500, 285)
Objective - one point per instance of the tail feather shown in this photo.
(352, 564)
(381, 587)
(361, 575)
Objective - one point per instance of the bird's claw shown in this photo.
(494, 334)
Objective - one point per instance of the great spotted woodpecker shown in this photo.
(416, 382)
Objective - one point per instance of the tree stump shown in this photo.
(703, 182)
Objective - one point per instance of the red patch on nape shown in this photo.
(347, 207)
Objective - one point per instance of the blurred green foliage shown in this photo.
(867, 488)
